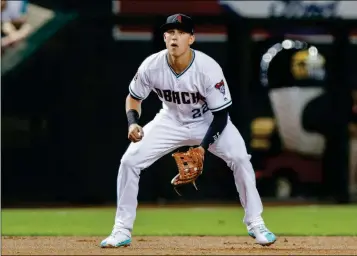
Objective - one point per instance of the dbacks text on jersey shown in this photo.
(179, 97)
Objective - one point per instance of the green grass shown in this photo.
(301, 220)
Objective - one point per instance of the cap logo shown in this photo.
(179, 18)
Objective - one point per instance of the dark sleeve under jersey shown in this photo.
(219, 122)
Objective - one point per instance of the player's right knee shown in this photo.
(127, 161)
(127, 165)
(130, 161)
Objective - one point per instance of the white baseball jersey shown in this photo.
(186, 99)
(187, 96)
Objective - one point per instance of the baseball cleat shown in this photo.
(261, 234)
(117, 238)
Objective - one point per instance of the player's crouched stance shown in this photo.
(195, 98)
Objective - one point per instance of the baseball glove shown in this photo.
(190, 166)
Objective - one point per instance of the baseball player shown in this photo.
(195, 99)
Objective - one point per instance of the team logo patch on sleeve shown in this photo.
(220, 86)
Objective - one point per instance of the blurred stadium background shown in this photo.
(290, 66)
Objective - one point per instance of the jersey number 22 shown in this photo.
(197, 112)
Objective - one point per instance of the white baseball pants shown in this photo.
(163, 135)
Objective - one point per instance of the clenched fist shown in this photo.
(135, 133)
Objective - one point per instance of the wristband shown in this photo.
(133, 117)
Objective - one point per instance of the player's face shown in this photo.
(178, 41)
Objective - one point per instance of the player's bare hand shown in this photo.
(135, 133)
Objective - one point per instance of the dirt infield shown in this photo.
(190, 245)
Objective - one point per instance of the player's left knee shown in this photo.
(238, 160)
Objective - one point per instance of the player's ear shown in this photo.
(164, 37)
(192, 39)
